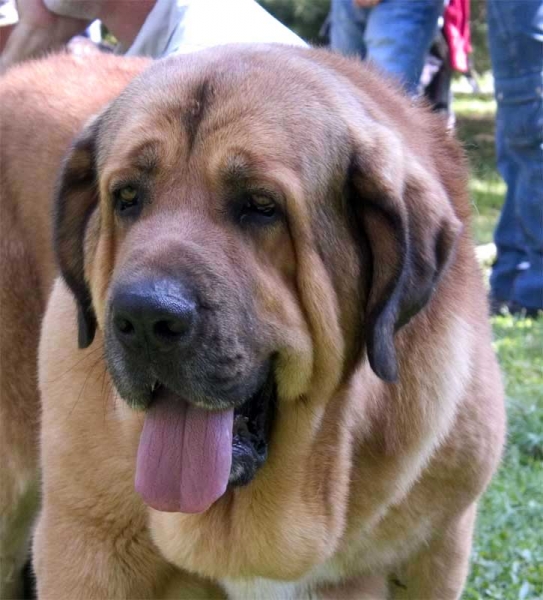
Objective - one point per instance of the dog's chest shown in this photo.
(328, 575)
(249, 589)
(359, 562)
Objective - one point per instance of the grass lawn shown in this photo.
(507, 561)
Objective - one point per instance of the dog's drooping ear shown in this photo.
(75, 200)
(411, 231)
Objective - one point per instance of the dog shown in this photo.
(37, 123)
(266, 369)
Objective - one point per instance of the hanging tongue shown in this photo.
(184, 456)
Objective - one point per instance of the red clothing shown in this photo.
(457, 33)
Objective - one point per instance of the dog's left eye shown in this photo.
(258, 207)
(127, 200)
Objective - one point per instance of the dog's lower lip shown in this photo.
(252, 429)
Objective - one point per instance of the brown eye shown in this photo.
(127, 199)
(262, 204)
(258, 208)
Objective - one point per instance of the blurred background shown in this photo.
(507, 560)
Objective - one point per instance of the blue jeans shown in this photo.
(515, 33)
(394, 34)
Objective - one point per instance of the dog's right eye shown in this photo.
(258, 209)
(127, 200)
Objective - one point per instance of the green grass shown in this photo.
(507, 557)
(507, 561)
(475, 124)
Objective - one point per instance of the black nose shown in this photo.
(158, 313)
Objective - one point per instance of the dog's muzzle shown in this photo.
(191, 448)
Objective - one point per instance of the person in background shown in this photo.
(153, 28)
(394, 34)
(34, 31)
(450, 52)
(8, 19)
(515, 35)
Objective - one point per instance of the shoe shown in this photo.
(524, 311)
(498, 306)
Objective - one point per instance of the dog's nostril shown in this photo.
(124, 325)
(170, 329)
(159, 314)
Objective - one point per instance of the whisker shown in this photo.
(87, 355)
(103, 391)
(93, 366)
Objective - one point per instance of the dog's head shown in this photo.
(245, 225)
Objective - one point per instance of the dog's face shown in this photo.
(244, 225)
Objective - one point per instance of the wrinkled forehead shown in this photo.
(266, 100)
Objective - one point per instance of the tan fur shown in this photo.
(370, 488)
(37, 124)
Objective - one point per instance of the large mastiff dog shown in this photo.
(266, 372)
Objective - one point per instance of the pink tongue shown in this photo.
(184, 456)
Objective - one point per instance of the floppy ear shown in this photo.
(75, 199)
(411, 230)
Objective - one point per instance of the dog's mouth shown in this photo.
(188, 455)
